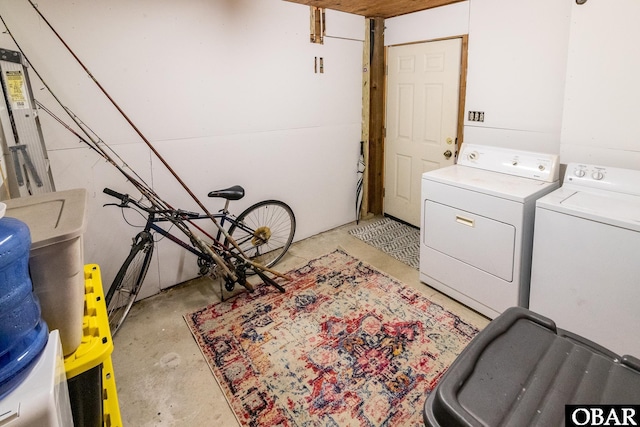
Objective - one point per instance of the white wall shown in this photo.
(516, 72)
(600, 123)
(224, 90)
(551, 76)
(431, 24)
(516, 65)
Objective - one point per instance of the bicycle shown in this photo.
(254, 241)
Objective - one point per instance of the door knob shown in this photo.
(447, 154)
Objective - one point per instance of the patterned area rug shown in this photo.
(346, 345)
(399, 240)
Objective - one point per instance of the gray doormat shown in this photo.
(396, 239)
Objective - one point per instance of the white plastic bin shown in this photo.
(57, 222)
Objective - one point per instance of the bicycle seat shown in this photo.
(232, 193)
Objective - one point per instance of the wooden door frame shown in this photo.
(374, 195)
(375, 159)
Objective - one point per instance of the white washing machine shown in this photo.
(477, 225)
(586, 256)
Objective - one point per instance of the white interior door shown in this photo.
(423, 85)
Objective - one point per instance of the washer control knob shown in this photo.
(597, 175)
(474, 155)
(579, 173)
(541, 167)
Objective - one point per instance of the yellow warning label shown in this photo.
(16, 90)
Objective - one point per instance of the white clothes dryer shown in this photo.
(477, 225)
(586, 256)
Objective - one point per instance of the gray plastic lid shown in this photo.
(52, 217)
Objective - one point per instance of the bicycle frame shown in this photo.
(210, 252)
(224, 217)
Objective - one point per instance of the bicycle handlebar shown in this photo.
(125, 200)
(123, 197)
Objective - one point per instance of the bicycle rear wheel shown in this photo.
(265, 231)
(125, 287)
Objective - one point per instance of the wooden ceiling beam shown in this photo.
(376, 8)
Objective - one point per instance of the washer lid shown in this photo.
(621, 210)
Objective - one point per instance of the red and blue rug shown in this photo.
(346, 345)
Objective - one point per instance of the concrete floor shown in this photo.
(163, 379)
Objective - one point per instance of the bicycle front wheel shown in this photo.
(265, 231)
(125, 287)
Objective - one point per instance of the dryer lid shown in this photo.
(504, 186)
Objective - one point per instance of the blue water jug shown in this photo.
(23, 333)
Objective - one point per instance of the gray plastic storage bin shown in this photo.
(57, 222)
(522, 371)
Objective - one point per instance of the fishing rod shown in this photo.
(147, 192)
(91, 140)
(136, 129)
(161, 203)
(94, 144)
(139, 184)
(144, 188)
(122, 113)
